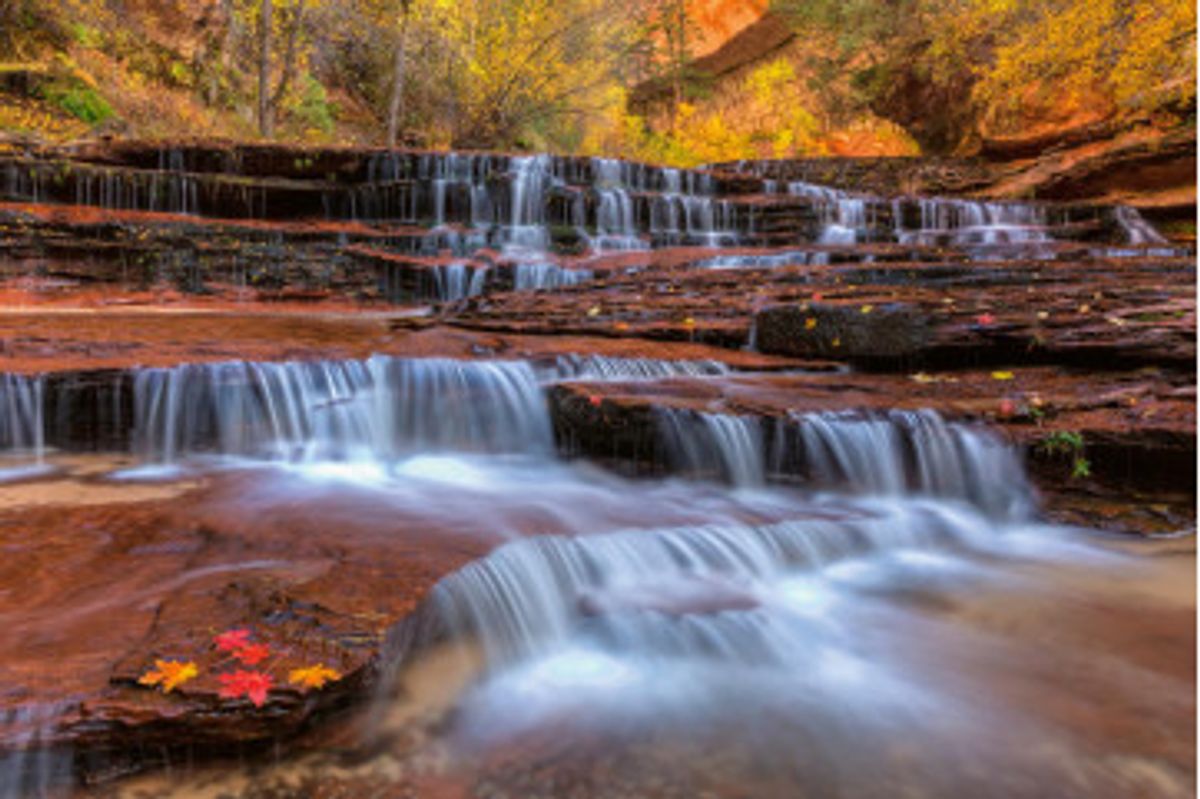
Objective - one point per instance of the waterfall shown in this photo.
(22, 415)
(893, 454)
(375, 409)
(615, 228)
(601, 367)
(650, 589)
(527, 234)
(714, 445)
(454, 282)
(29, 768)
(843, 216)
(904, 452)
(848, 219)
(1137, 229)
(541, 275)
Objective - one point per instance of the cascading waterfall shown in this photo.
(905, 452)
(1137, 229)
(848, 219)
(454, 282)
(601, 367)
(894, 454)
(843, 216)
(541, 275)
(22, 416)
(714, 445)
(376, 409)
(29, 768)
(677, 591)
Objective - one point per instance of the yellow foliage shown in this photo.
(313, 676)
(169, 674)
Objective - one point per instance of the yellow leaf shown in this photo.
(810, 323)
(922, 377)
(868, 308)
(313, 676)
(169, 674)
(689, 322)
(1002, 375)
(837, 342)
(594, 310)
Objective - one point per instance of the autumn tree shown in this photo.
(291, 29)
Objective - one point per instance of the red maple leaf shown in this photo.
(232, 640)
(594, 400)
(985, 319)
(252, 654)
(253, 685)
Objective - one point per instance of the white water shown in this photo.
(372, 410)
(643, 608)
(22, 426)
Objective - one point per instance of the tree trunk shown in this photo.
(266, 115)
(397, 98)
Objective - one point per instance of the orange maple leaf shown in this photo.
(313, 676)
(169, 674)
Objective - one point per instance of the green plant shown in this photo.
(1070, 444)
(314, 109)
(77, 99)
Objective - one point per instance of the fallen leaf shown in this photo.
(232, 640)
(594, 310)
(253, 685)
(1002, 375)
(689, 322)
(253, 654)
(313, 676)
(1043, 315)
(922, 377)
(810, 323)
(985, 319)
(169, 674)
(867, 308)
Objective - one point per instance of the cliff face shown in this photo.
(1078, 150)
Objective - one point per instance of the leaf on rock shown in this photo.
(313, 676)
(253, 654)
(232, 640)
(169, 674)
(253, 685)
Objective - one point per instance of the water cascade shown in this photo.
(601, 367)
(23, 421)
(701, 591)
(900, 453)
(377, 409)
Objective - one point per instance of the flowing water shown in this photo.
(821, 605)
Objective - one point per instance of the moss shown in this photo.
(77, 99)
